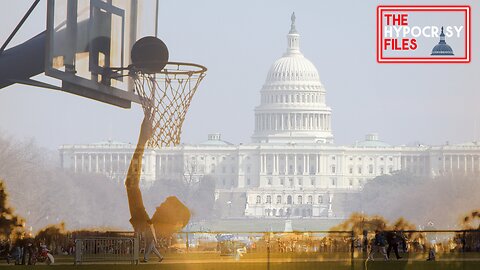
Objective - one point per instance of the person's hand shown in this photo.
(146, 130)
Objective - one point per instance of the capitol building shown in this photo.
(292, 168)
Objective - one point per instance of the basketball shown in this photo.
(149, 54)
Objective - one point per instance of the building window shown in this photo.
(333, 169)
(300, 199)
(320, 199)
(390, 169)
(381, 158)
(390, 158)
(350, 170)
(310, 199)
(333, 157)
(269, 181)
(248, 169)
(382, 170)
(300, 181)
(259, 199)
(248, 181)
(350, 181)
(291, 181)
(282, 181)
(289, 199)
(212, 168)
(370, 169)
(269, 199)
(279, 199)
(312, 181)
(359, 170)
(334, 181)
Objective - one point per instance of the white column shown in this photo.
(443, 163)
(308, 164)
(265, 162)
(304, 164)
(286, 164)
(294, 164)
(275, 118)
(104, 163)
(272, 121)
(273, 163)
(89, 163)
(83, 163)
(300, 124)
(159, 169)
(458, 162)
(276, 163)
(118, 163)
(281, 123)
(473, 164)
(317, 164)
(75, 162)
(261, 163)
(465, 162)
(96, 163)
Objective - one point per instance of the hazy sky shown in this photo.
(238, 41)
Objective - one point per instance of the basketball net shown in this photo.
(165, 98)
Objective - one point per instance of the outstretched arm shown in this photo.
(135, 201)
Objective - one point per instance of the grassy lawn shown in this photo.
(279, 261)
(396, 265)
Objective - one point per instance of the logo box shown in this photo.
(465, 10)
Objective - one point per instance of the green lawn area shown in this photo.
(397, 265)
(279, 261)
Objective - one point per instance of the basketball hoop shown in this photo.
(165, 96)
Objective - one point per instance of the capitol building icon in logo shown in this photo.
(442, 48)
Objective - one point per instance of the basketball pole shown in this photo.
(156, 18)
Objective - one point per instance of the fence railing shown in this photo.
(107, 249)
(277, 247)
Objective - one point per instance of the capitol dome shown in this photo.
(442, 48)
(293, 67)
(293, 108)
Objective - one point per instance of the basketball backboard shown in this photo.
(85, 38)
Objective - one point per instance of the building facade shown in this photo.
(292, 168)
